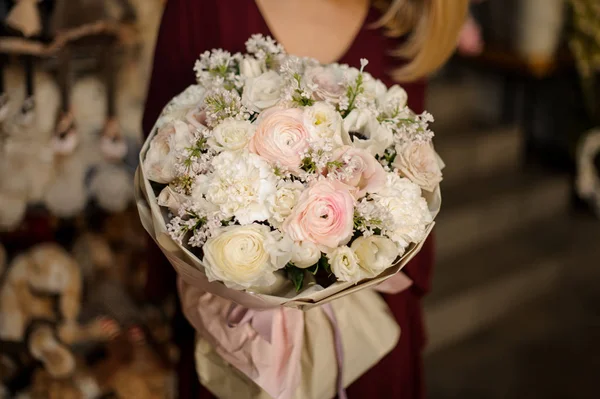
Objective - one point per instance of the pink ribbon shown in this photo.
(262, 320)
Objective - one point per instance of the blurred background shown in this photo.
(515, 309)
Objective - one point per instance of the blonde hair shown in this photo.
(432, 27)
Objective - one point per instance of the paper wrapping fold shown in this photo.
(369, 332)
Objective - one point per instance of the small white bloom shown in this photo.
(375, 254)
(408, 209)
(239, 185)
(418, 161)
(367, 132)
(324, 123)
(262, 92)
(250, 67)
(161, 159)
(344, 265)
(246, 256)
(282, 201)
(305, 254)
(231, 135)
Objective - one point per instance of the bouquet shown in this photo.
(276, 184)
(277, 168)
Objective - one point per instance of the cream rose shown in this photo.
(171, 199)
(281, 138)
(329, 82)
(231, 135)
(250, 67)
(367, 132)
(344, 265)
(324, 215)
(375, 254)
(262, 92)
(305, 254)
(246, 256)
(360, 169)
(419, 162)
(161, 157)
(282, 202)
(324, 123)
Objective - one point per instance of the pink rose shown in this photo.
(359, 169)
(281, 137)
(329, 81)
(324, 215)
(197, 117)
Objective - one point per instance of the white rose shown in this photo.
(344, 265)
(367, 133)
(161, 158)
(374, 88)
(419, 162)
(246, 256)
(394, 98)
(329, 82)
(171, 199)
(262, 92)
(375, 254)
(250, 68)
(282, 201)
(305, 254)
(239, 185)
(231, 135)
(324, 123)
(403, 201)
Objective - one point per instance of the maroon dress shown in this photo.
(190, 27)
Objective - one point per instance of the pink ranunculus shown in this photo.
(281, 137)
(360, 169)
(324, 215)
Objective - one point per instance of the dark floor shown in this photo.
(547, 349)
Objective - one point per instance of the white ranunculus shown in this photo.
(367, 132)
(282, 201)
(239, 185)
(246, 256)
(395, 97)
(262, 92)
(419, 162)
(344, 265)
(231, 135)
(250, 67)
(305, 254)
(408, 209)
(375, 254)
(161, 158)
(169, 198)
(324, 123)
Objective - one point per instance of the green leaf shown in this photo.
(296, 275)
(324, 263)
